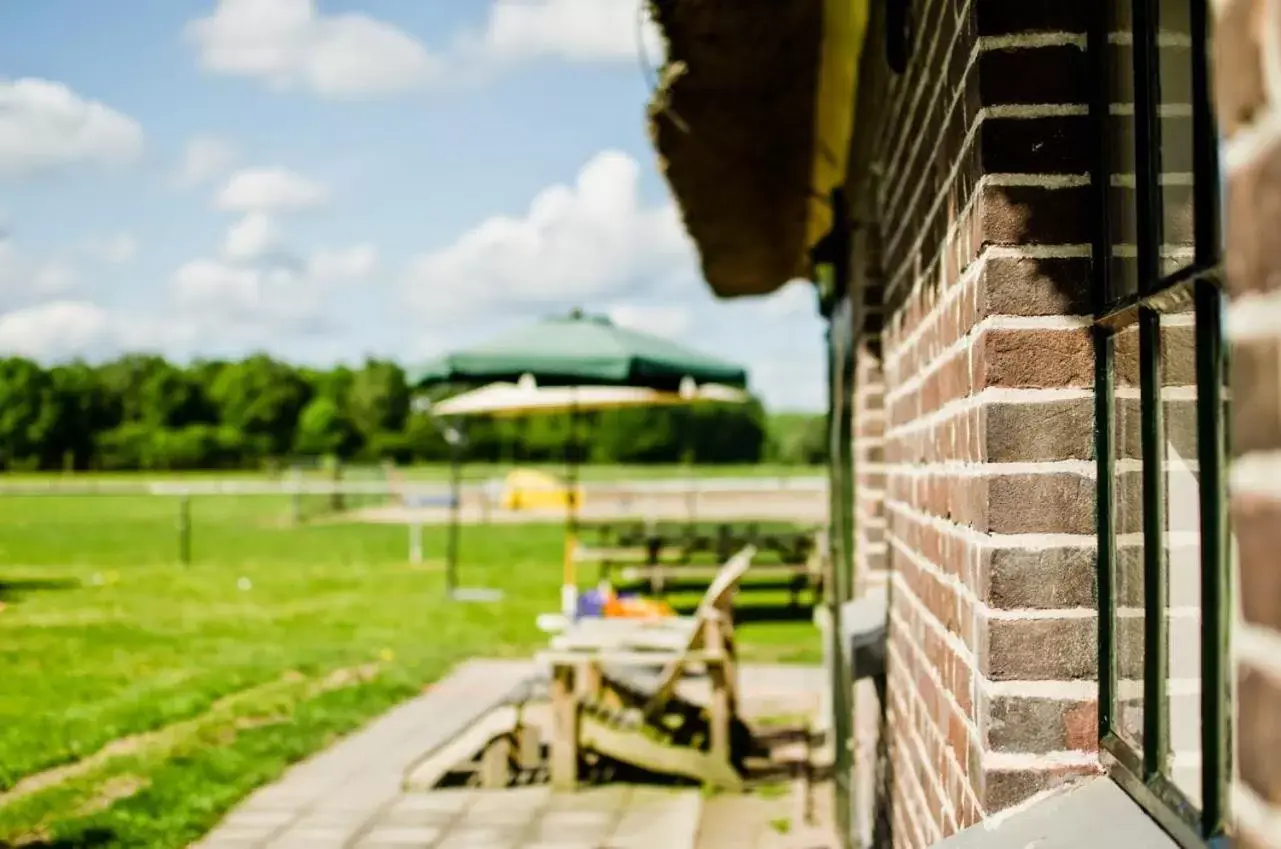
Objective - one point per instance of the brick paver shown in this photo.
(330, 797)
(350, 796)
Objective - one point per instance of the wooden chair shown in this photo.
(668, 634)
(629, 708)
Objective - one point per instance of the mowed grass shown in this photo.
(593, 472)
(141, 698)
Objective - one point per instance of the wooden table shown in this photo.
(576, 659)
(658, 555)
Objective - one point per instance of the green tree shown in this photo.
(205, 373)
(640, 435)
(426, 442)
(325, 429)
(334, 383)
(726, 433)
(124, 383)
(262, 398)
(28, 413)
(174, 398)
(378, 398)
(83, 412)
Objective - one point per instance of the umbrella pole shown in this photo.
(569, 580)
(455, 517)
(687, 450)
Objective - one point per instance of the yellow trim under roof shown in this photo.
(844, 27)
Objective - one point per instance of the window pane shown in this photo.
(1128, 627)
(1174, 112)
(1183, 550)
(1123, 269)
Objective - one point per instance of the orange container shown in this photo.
(637, 608)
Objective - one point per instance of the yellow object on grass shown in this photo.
(528, 489)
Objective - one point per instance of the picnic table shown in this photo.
(614, 688)
(657, 553)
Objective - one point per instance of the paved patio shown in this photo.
(350, 796)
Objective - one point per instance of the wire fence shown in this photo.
(374, 495)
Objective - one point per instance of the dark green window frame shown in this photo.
(841, 550)
(1142, 770)
(832, 272)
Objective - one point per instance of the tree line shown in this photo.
(144, 412)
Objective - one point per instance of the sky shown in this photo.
(328, 180)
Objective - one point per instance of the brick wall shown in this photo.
(977, 158)
(869, 464)
(1247, 61)
(870, 549)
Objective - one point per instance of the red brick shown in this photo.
(1001, 789)
(1238, 65)
(1036, 286)
(1030, 432)
(1253, 202)
(1256, 520)
(1040, 649)
(1025, 724)
(1259, 729)
(1015, 578)
(1034, 215)
(1256, 398)
(1035, 358)
(1060, 502)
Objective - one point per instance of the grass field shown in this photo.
(441, 471)
(140, 698)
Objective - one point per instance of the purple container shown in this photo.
(591, 604)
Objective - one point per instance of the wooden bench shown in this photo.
(614, 692)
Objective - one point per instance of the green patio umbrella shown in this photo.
(580, 350)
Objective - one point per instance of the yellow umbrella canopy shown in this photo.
(511, 400)
(526, 397)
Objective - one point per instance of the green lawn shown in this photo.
(206, 681)
(441, 471)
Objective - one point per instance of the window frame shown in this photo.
(1197, 285)
(832, 275)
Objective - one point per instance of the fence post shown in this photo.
(295, 496)
(336, 494)
(184, 529)
(415, 540)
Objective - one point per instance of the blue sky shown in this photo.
(329, 180)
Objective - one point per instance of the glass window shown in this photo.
(1163, 572)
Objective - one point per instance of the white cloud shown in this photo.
(290, 44)
(65, 328)
(669, 321)
(45, 125)
(116, 249)
(574, 30)
(56, 330)
(234, 300)
(795, 298)
(26, 280)
(251, 237)
(234, 297)
(205, 158)
(353, 263)
(588, 242)
(270, 190)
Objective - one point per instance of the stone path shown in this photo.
(350, 796)
(768, 821)
(619, 817)
(325, 800)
